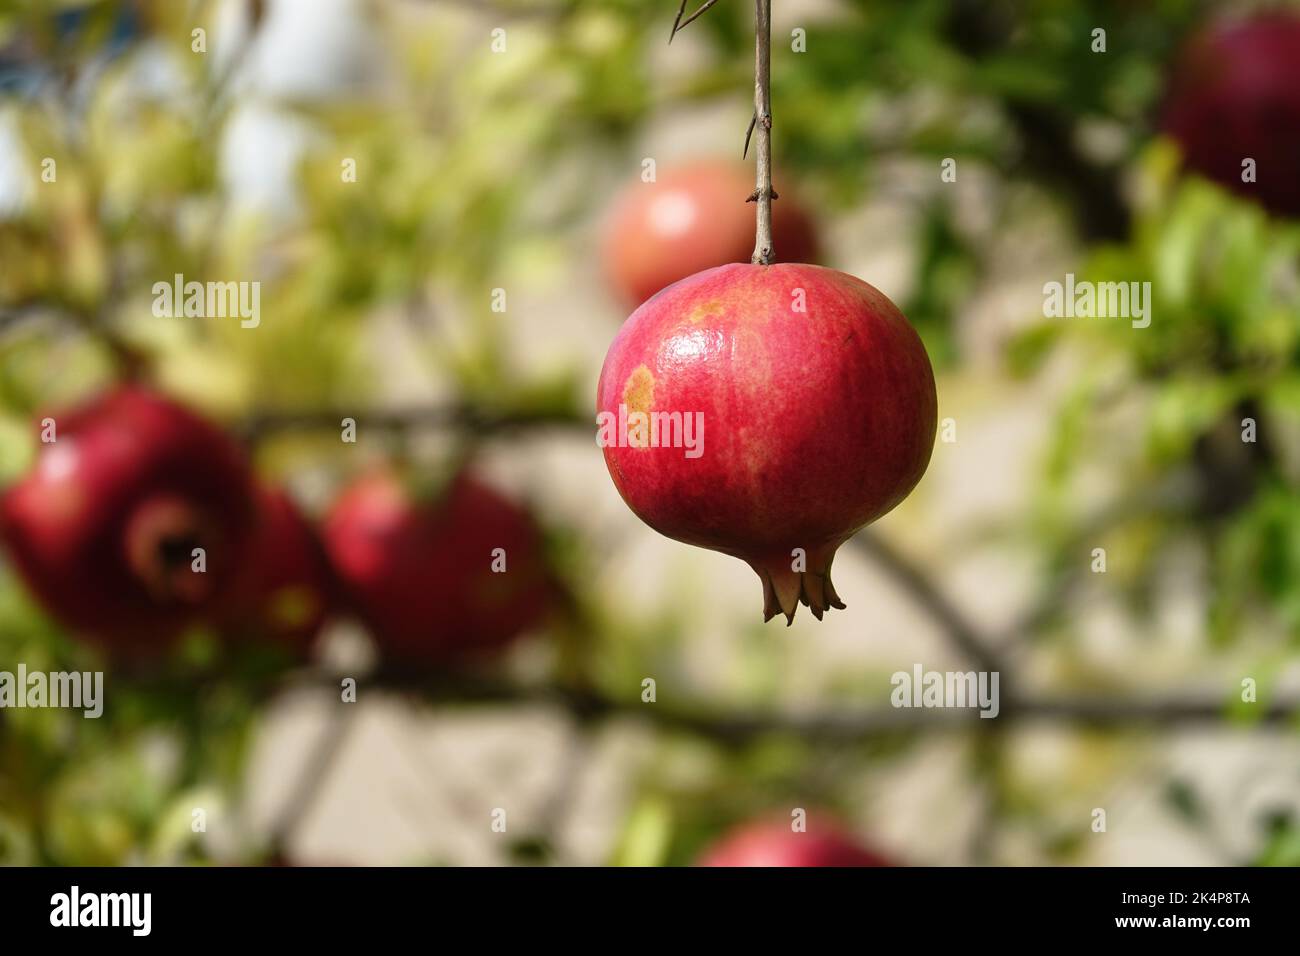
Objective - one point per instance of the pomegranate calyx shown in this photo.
(785, 587)
(160, 542)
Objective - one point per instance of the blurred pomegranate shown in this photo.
(693, 218)
(420, 572)
(287, 592)
(773, 843)
(1235, 94)
(105, 528)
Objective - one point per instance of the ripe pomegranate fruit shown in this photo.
(420, 572)
(1235, 94)
(287, 592)
(813, 406)
(104, 528)
(773, 843)
(693, 218)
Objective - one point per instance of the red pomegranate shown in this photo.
(1235, 94)
(287, 592)
(104, 528)
(693, 218)
(420, 572)
(774, 843)
(811, 405)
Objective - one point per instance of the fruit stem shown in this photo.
(763, 195)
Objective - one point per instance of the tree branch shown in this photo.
(964, 635)
(19, 314)
(261, 424)
(321, 760)
(736, 726)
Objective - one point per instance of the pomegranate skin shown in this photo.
(815, 422)
(104, 526)
(1234, 94)
(419, 573)
(692, 218)
(775, 844)
(288, 591)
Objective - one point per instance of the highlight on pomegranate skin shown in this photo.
(815, 408)
(775, 844)
(694, 217)
(438, 580)
(1235, 95)
(106, 526)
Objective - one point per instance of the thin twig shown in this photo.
(679, 23)
(763, 195)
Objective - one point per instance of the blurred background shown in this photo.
(428, 193)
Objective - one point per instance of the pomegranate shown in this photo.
(105, 527)
(820, 408)
(773, 843)
(286, 594)
(421, 574)
(1235, 94)
(693, 218)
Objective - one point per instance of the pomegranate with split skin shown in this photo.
(288, 591)
(439, 579)
(134, 523)
(692, 218)
(1235, 96)
(814, 408)
(775, 844)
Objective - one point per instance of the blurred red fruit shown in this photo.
(287, 592)
(775, 844)
(815, 409)
(105, 526)
(693, 218)
(1234, 95)
(419, 573)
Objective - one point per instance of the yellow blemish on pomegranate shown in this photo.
(292, 606)
(705, 310)
(639, 396)
(639, 392)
